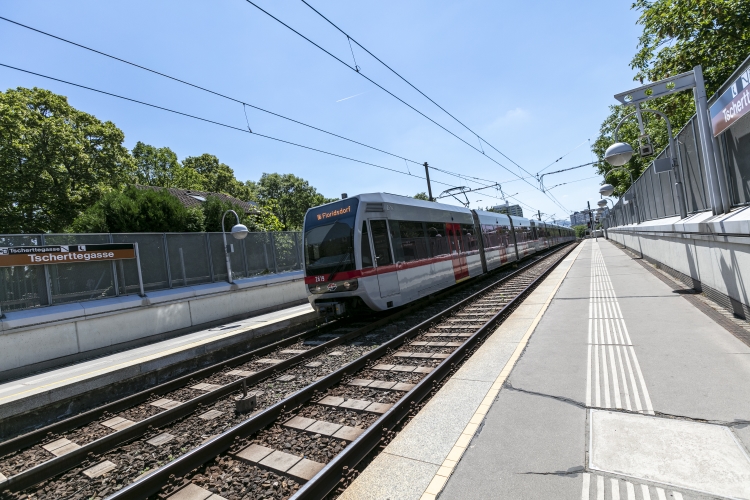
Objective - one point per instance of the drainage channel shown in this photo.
(308, 443)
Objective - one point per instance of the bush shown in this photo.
(580, 231)
(136, 210)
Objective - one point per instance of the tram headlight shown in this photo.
(333, 286)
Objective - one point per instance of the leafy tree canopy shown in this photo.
(677, 35)
(55, 161)
(421, 196)
(288, 197)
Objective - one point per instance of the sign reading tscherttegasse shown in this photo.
(64, 254)
(732, 104)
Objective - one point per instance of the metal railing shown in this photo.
(168, 260)
(654, 193)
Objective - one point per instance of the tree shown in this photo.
(677, 35)
(580, 231)
(55, 161)
(421, 196)
(135, 210)
(155, 166)
(289, 197)
(217, 177)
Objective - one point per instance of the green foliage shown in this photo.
(55, 161)
(214, 207)
(421, 196)
(677, 35)
(136, 210)
(288, 197)
(580, 231)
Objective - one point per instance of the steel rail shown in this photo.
(332, 474)
(154, 482)
(57, 465)
(37, 435)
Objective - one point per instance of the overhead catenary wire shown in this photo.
(476, 180)
(244, 104)
(214, 122)
(401, 100)
(481, 139)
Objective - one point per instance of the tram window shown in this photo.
(366, 253)
(410, 239)
(438, 242)
(469, 238)
(383, 255)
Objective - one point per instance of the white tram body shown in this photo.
(382, 250)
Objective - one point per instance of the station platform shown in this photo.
(603, 384)
(105, 378)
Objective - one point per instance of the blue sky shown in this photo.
(533, 78)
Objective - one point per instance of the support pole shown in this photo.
(140, 274)
(707, 145)
(427, 175)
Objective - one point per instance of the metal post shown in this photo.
(427, 174)
(707, 145)
(182, 264)
(166, 260)
(591, 222)
(539, 215)
(47, 280)
(210, 257)
(273, 254)
(244, 258)
(138, 265)
(114, 273)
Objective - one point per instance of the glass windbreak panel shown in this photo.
(153, 263)
(219, 260)
(22, 287)
(285, 247)
(259, 254)
(188, 258)
(737, 146)
(411, 240)
(329, 238)
(82, 281)
(365, 246)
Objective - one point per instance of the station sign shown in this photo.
(733, 104)
(64, 254)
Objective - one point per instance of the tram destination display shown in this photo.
(64, 254)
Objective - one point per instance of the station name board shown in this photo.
(732, 105)
(64, 254)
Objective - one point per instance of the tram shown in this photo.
(381, 251)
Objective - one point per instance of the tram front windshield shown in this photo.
(329, 238)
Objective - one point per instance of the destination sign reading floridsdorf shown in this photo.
(732, 105)
(64, 254)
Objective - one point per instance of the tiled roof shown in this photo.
(193, 198)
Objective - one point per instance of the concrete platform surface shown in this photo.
(625, 390)
(27, 394)
(420, 459)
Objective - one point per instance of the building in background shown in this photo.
(514, 210)
(579, 218)
(561, 222)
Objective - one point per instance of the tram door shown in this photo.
(386, 267)
(458, 252)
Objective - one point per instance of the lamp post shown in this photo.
(619, 154)
(239, 232)
(715, 177)
(617, 157)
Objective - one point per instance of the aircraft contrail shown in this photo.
(355, 95)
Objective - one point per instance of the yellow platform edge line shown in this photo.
(441, 477)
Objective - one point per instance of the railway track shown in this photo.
(307, 445)
(164, 424)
